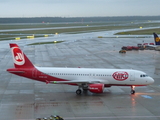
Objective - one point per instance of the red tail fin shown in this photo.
(19, 58)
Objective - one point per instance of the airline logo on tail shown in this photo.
(18, 56)
(156, 38)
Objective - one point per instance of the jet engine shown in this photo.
(96, 88)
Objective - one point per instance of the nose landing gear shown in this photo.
(132, 90)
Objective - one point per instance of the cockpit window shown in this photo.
(143, 75)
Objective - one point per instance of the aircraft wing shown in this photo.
(79, 82)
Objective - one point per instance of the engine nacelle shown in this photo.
(96, 88)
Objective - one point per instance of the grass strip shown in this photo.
(140, 32)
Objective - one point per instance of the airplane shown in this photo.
(87, 79)
(156, 39)
(153, 46)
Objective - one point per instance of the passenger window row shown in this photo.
(68, 74)
(76, 74)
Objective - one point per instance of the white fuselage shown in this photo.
(105, 76)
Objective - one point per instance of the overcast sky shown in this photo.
(78, 8)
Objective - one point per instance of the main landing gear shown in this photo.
(81, 87)
(78, 92)
(132, 90)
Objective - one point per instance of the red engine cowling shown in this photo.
(96, 88)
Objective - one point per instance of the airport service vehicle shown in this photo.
(130, 48)
(94, 80)
(126, 48)
(122, 51)
(148, 43)
(135, 48)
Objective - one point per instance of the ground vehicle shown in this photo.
(135, 48)
(130, 48)
(122, 51)
(126, 48)
(151, 43)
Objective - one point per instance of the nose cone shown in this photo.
(151, 80)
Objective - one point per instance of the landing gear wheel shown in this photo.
(132, 91)
(78, 92)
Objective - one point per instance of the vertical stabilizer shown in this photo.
(156, 39)
(19, 58)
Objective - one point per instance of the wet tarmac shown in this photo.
(25, 99)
